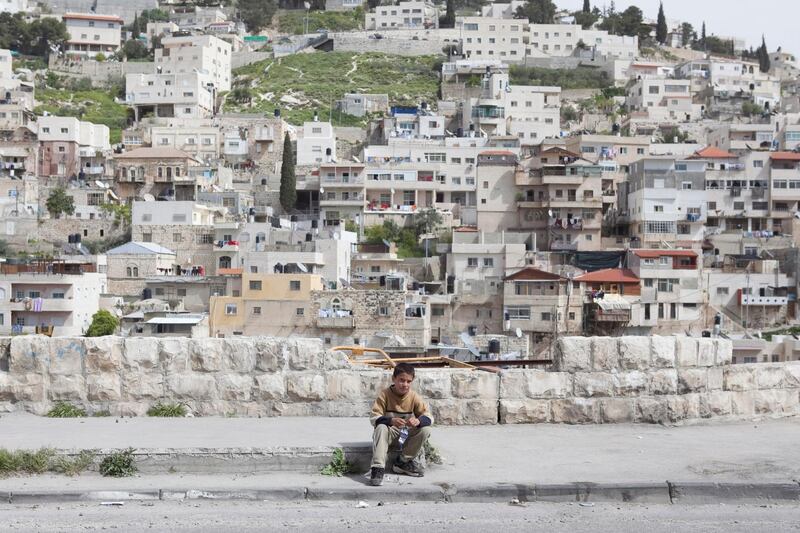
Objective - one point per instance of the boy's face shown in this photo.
(402, 382)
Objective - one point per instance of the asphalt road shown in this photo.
(315, 517)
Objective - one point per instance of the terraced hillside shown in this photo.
(300, 83)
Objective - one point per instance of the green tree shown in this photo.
(241, 95)
(449, 18)
(586, 20)
(103, 323)
(703, 36)
(135, 26)
(426, 221)
(59, 202)
(389, 231)
(44, 33)
(135, 49)
(288, 192)
(628, 22)
(537, 11)
(256, 14)
(661, 25)
(587, 8)
(764, 62)
(687, 34)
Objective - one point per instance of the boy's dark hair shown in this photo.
(403, 368)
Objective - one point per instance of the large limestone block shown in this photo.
(103, 354)
(715, 404)
(447, 412)
(434, 384)
(738, 378)
(141, 353)
(358, 409)
(791, 376)
(270, 356)
(233, 387)
(21, 387)
(270, 387)
(664, 381)
(663, 352)
(652, 410)
(139, 386)
(470, 384)
(513, 384)
(479, 412)
(634, 353)
(343, 385)
(524, 411)
(683, 407)
(716, 378)
(66, 355)
(692, 380)
(686, 352)
(706, 352)
(724, 352)
(743, 403)
(192, 386)
(208, 354)
(67, 389)
(374, 381)
(632, 383)
(576, 411)
(240, 355)
(128, 408)
(103, 387)
(173, 355)
(543, 384)
(305, 387)
(573, 354)
(617, 410)
(31, 353)
(334, 360)
(605, 353)
(593, 384)
(769, 376)
(776, 402)
(305, 354)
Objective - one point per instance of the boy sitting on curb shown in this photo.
(399, 415)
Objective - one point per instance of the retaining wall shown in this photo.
(594, 380)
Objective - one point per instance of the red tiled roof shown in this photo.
(497, 152)
(229, 271)
(91, 16)
(712, 152)
(785, 156)
(610, 275)
(651, 254)
(533, 274)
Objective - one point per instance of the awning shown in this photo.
(176, 320)
(613, 302)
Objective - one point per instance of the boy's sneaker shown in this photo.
(376, 476)
(409, 468)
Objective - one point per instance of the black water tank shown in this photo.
(706, 333)
(293, 218)
(309, 237)
(70, 238)
(314, 224)
(147, 294)
(78, 237)
(460, 132)
(263, 181)
(494, 346)
(277, 112)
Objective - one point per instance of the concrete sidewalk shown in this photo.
(764, 450)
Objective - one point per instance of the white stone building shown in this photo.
(91, 34)
(317, 144)
(413, 14)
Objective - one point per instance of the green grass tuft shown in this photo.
(66, 410)
(119, 464)
(167, 410)
(338, 465)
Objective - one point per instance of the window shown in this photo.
(667, 285)
(758, 164)
(383, 311)
(181, 292)
(147, 237)
(300, 311)
(230, 309)
(712, 206)
(255, 285)
(648, 282)
(722, 291)
(472, 261)
(546, 317)
(518, 313)
(488, 262)
(176, 237)
(294, 285)
(658, 208)
(57, 296)
(437, 311)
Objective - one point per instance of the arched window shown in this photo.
(336, 304)
(135, 272)
(225, 261)
(160, 172)
(130, 272)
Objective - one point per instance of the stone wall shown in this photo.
(594, 380)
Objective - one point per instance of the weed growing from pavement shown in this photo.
(118, 464)
(167, 410)
(66, 410)
(14, 462)
(432, 455)
(102, 413)
(338, 465)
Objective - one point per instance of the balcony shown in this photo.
(342, 182)
(59, 305)
(358, 201)
(562, 246)
(226, 247)
(94, 171)
(336, 322)
(763, 300)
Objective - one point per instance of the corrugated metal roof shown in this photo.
(186, 320)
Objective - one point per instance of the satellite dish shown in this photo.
(550, 213)
(357, 160)
(100, 184)
(519, 333)
(321, 190)
(387, 243)
(344, 282)
(149, 198)
(467, 340)
(302, 267)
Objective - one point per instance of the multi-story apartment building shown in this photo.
(663, 100)
(665, 202)
(561, 199)
(170, 95)
(497, 192)
(91, 34)
(52, 297)
(610, 296)
(69, 147)
(410, 14)
(196, 17)
(530, 113)
(731, 82)
(784, 193)
(161, 172)
(205, 54)
(493, 38)
(14, 6)
(342, 192)
(672, 295)
(317, 144)
(130, 264)
(501, 11)
(201, 141)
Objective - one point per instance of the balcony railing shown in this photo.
(563, 246)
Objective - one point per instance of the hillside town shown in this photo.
(422, 178)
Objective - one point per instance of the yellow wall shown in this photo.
(276, 286)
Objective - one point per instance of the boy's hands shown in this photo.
(398, 423)
(413, 422)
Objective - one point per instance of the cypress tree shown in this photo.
(764, 62)
(586, 7)
(288, 192)
(661, 27)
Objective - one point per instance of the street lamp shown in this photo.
(308, 7)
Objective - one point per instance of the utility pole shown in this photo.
(747, 299)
